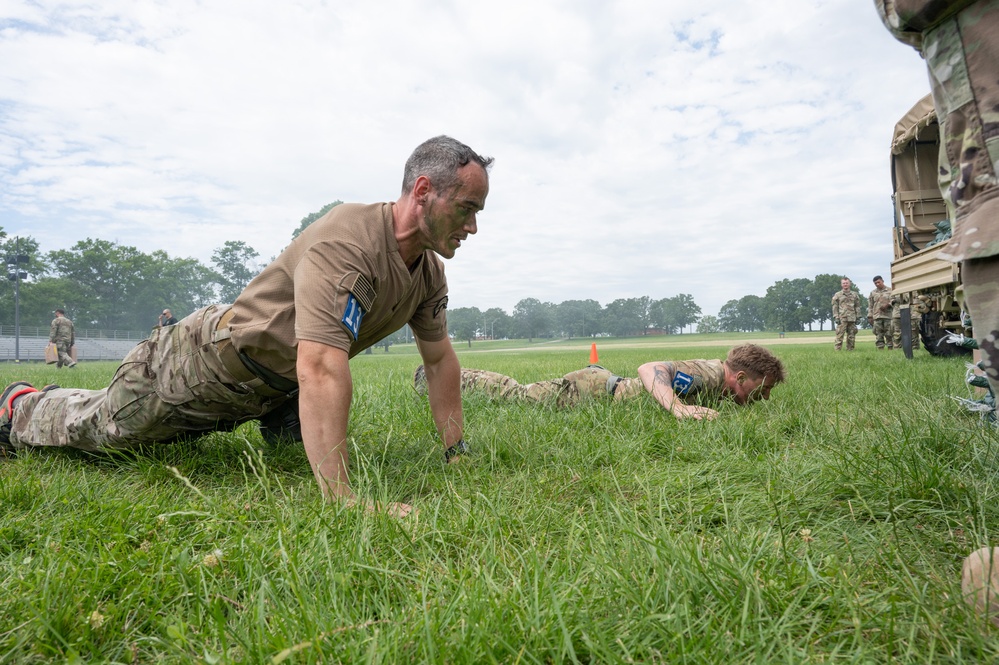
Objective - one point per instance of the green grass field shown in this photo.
(827, 525)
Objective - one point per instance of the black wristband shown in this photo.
(459, 448)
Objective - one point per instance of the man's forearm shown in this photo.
(657, 380)
(324, 434)
(444, 392)
(324, 411)
(662, 391)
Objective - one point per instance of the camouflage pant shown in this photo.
(981, 292)
(961, 55)
(570, 389)
(846, 329)
(170, 385)
(882, 333)
(62, 353)
(896, 331)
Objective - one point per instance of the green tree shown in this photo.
(180, 284)
(109, 282)
(743, 315)
(674, 314)
(822, 290)
(36, 267)
(311, 217)
(40, 297)
(464, 323)
(234, 268)
(788, 304)
(688, 312)
(496, 323)
(534, 318)
(708, 324)
(627, 317)
(579, 318)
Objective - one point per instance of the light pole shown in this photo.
(492, 325)
(15, 274)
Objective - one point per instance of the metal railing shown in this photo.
(85, 333)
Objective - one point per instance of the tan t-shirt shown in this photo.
(343, 283)
(696, 380)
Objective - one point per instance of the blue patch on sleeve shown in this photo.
(352, 315)
(682, 383)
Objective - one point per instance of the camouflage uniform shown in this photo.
(959, 40)
(172, 384)
(879, 309)
(896, 321)
(846, 311)
(700, 378)
(62, 334)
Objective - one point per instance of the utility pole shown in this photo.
(15, 274)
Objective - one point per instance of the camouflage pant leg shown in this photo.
(851, 335)
(628, 388)
(62, 351)
(493, 383)
(961, 53)
(981, 292)
(847, 329)
(172, 384)
(501, 386)
(882, 333)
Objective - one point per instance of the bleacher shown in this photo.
(30, 349)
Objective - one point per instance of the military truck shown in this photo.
(929, 285)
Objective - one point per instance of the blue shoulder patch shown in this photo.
(352, 316)
(682, 383)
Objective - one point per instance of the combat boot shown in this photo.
(11, 394)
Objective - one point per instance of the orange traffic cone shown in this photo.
(593, 354)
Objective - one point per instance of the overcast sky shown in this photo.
(642, 147)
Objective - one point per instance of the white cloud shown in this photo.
(642, 148)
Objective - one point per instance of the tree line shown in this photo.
(106, 285)
(789, 305)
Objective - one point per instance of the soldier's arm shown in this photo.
(443, 389)
(325, 391)
(657, 378)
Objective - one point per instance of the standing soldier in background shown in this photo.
(896, 321)
(879, 313)
(846, 313)
(61, 334)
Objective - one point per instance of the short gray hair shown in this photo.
(439, 159)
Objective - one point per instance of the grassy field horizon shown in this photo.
(826, 525)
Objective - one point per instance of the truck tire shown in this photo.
(931, 332)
